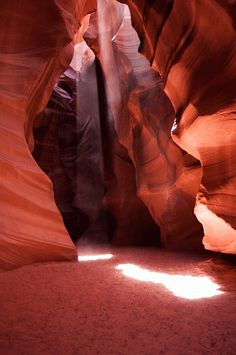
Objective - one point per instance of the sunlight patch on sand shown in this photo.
(94, 257)
(185, 286)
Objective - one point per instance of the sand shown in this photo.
(91, 307)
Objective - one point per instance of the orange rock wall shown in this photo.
(193, 46)
(35, 48)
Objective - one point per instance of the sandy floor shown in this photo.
(91, 307)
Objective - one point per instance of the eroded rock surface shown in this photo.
(193, 46)
(35, 49)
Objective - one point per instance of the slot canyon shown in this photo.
(117, 177)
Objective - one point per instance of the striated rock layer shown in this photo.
(35, 48)
(167, 179)
(193, 45)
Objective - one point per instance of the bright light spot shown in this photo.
(94, 257)
(174, 126)
(185, 286)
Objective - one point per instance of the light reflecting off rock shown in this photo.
(185, 286)
(94, 257)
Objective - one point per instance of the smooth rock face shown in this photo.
(35, 48)
(193, 46)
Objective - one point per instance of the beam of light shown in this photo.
(110, 16)
(185, 286)
(94, 257)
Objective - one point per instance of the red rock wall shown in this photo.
(193, 45)
(35, 48)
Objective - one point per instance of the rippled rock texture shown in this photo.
(193, 46)
(35, 49)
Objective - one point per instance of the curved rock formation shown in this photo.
(197, 61)
(35, 48)
(167, 179)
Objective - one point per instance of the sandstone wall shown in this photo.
(193, 46)
(35, 48)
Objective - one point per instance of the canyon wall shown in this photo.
(35, 49)
(193, 46)
(166, 178)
